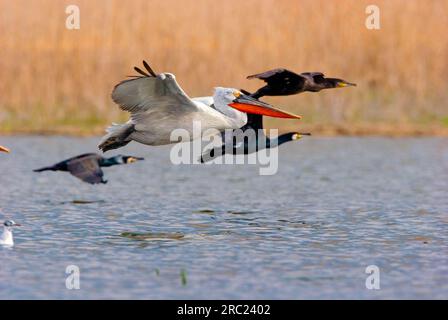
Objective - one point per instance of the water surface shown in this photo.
(336, 206)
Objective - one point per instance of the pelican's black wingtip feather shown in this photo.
(141, 72)
(151, 72)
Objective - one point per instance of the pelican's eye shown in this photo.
(236, 94)
(296, 136)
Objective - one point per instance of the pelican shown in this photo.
(158, 105)
(4, 149)
(251, 142)
(282, 82)
(87, 167)
(6, 238)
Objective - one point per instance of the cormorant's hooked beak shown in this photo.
(247, 104)
(343, 83)
(4, 149)
(133, 159)
(13, 225)
(298, 135)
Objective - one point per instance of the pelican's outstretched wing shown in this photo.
(157, 105)
(152, 93)
(87, 169)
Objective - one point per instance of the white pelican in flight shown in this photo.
(158, 105)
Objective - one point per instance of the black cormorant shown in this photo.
(282, 82)
(250, 140)
(87, 167)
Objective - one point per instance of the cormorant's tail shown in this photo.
(52, 168)
(117, 136)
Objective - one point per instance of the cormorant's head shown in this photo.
(10, 224)
(338, 83)
(298, 135)
(130, 159)
(119, 159)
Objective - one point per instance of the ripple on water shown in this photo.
(153, 236)
(335, 206)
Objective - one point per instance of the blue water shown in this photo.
(336, 206)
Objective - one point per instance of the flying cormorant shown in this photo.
(87, 167)
(252, 139)
(282, 82)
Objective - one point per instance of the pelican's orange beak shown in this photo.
(247, 104)
(4, 149)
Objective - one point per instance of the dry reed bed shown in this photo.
(54, 79)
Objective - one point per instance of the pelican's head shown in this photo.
(240, 102)
(225, 96)
(8, 224)
(166, 75)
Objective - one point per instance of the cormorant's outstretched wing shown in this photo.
(280, 82)
(83, 156)
(87, 169)
(318, 77)
(62, 165)
(278, 76)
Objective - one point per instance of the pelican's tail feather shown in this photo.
(117, 136)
